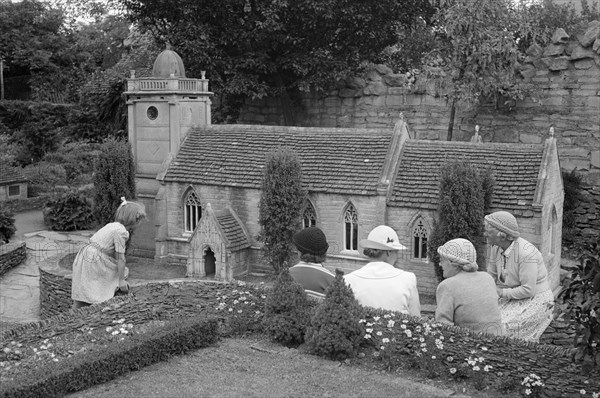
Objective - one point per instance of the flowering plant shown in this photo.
(533, 385)
(242, 308)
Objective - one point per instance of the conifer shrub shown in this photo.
(280, 206)
(287, 311)
(7, 225)
(572, 183)
(465, 198)
(114, 177)
(335, 330)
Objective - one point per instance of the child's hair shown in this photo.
(130, 213)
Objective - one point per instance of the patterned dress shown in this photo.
(95, 271)
(526, 302)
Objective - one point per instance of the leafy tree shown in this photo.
(114, 177)
(465, 198)
(280, 205)
(477, 54)
(274, 47)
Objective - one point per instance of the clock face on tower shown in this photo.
(152, 113)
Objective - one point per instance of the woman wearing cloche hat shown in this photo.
(458, 302)
(310, 272)
(379, 284)
(517, 266)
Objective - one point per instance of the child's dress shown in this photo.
(95, 271)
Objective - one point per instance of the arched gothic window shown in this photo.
(309, 216)
(350, 228)
(192, 211)
(419, 236)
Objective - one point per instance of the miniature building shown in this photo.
(205, 197)
(13, 185)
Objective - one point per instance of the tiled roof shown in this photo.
(234, 233)
(515, 168)
(335, 160)
(10, 175)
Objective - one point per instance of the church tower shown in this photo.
(161, 110)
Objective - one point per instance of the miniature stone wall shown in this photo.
(566, 72)
(11, 255)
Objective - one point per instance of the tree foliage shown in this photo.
(281, 200)
(477, 54)
(465, 197)
(256, 48)
(114, 177)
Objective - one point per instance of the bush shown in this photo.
(43, 177)
(281, 201)
(114, 177)
(7, 225)
(77, 158)
(465, 197)
(287, 311)
(581, 303)
(335, 329)
(105, 363)
(572, 185)
(69, 212)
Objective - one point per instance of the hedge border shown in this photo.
(102, 364)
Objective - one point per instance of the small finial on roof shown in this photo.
(552, 131)
(476, 137)
(168, 45)
(401, 116)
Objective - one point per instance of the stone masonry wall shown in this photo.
(566, 74)
(11, 255)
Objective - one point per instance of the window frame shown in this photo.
(191, 204)
(350, 224)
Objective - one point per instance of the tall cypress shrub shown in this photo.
(280, 206)
(465, 197)
(114, 176)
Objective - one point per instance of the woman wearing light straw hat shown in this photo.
(379, 284)
(466, 298)
(517, 266)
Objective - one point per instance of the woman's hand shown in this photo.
(499, 291)
(123, 286)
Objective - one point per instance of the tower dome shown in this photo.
(168, 62)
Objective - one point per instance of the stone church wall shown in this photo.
(566, 74)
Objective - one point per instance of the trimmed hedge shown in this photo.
(102, 364)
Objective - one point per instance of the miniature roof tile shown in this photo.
(234, 233)
(10, 175)
(334, 160)
(515, 169)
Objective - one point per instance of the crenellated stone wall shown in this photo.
(566, 74)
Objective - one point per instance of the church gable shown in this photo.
(515, 168)
(334, 160)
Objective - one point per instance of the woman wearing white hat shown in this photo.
(379, 284)
(517, 266)
(466, 298)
